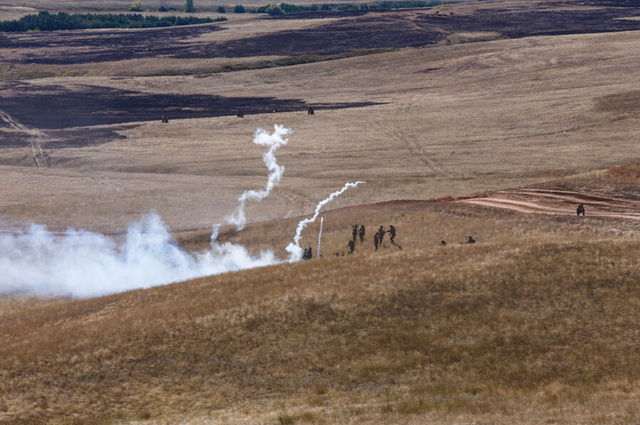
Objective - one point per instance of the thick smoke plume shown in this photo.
(274, 141)
(86, 264)
(294, 248)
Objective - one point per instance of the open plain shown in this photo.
(484, 119)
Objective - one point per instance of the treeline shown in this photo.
(45, 21)
(283, 8)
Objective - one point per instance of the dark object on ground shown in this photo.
(361, 233)
(471, 240)
(580, 210)
(310, 111)
(376, 240)
(240, 113)
(443, 243)
(352, 246)
(165, 118)
(354, 232)
(392, 234)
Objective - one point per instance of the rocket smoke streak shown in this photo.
(274, 141)
(294, 248)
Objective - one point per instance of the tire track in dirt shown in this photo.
(35, 141)
(559, 202)
(412, 146)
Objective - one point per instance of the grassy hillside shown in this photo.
(541, 315)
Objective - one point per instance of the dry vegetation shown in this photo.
(536, 323)
(539, 316)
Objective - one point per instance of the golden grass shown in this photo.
(539, 315)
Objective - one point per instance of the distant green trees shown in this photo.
(272, 9)
(189, 7)
(44, 21)
(221, 9)
(238, 9)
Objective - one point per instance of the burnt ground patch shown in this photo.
(57, 108)
(65, 138)
(358, 31)
(103, 45)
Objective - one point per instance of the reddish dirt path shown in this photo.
(559, 202)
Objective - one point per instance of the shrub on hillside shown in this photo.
(136, 6)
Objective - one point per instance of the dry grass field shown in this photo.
(535, 323)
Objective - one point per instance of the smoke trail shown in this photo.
(274, 141)
(294, 248)
(86, 264)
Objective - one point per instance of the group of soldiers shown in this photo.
(359, 232)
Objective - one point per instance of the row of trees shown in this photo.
(45, 21)
(282, 8)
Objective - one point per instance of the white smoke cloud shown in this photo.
(293, 248)
(86, 264)
(274, 141)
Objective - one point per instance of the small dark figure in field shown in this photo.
(376, 240)
(165, 118)
(470, 240)
(240, 113)
(310, 111)
(392, 234)
(580, 210)
(361, 233)
(352, 246)
(354, 232)
(307, 254)
(381, 233)
(443, 243)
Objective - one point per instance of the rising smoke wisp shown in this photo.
(273, 141)
(293, 248)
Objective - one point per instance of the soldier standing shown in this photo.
(376, 240)
(352, 246)
(392, 234)
(354, 232)
(580, 209)
(381, 233)
(361, 233)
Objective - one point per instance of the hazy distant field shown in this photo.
(537, 323)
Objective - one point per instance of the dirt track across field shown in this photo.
(559, 202)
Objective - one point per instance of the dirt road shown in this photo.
(559, 202)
